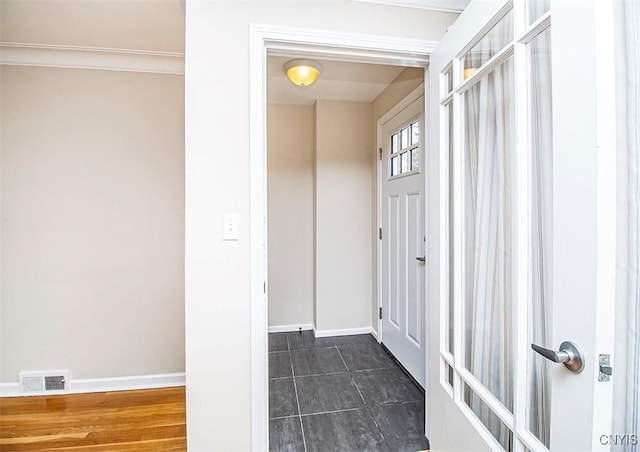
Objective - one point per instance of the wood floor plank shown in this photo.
(148, 420)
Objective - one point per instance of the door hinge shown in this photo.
(380, 313)
(264, 287)
(380, 153)
(380, 233)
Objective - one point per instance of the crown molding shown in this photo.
(72, 57)
(445, 6)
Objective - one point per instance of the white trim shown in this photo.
(263, 38)
(290, 328)
(452, 6)
(341, 46)
(73, 57)
(258, 234)
(126, 383)
(343, 332)
(374, 333)
(607, 227)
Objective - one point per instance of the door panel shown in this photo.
(415, 276)
(517, 235)
(395, 261)
(402, 219)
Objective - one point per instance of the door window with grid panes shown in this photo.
(405, 150)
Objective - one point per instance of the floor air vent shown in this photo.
(44, 381)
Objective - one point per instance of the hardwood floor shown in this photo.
(148, 420)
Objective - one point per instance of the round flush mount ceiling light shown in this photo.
(302, 72)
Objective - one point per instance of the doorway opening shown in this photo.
(274, 43)
(323, 177)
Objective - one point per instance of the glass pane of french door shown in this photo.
(488, 154)
(541, 210)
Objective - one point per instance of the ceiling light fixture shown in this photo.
(469, 72)
(302, 72)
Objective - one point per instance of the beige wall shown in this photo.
(218, 182)
(343, 215)
(320, 201)
(92, 203)
(408, 80)
(290, 145)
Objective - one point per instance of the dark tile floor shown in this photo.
(340, 394)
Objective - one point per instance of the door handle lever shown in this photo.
(557, 357)
(421, 259)
(569, 355)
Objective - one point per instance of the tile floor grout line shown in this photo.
(295, 388)
(284, 417)
(376, 368)
(342, 359)
(352, 379)
(321, 375)
(280, 378)
(311, 348)
(366, 406)
(334, 411)
(377, 426)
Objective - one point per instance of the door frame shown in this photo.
(278, 40)
(420, 90)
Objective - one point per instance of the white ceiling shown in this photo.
(354, 82)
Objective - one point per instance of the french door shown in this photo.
(521, 231)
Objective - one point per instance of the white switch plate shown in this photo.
(230, 227)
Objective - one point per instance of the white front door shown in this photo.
(521, 235)
(402, 237)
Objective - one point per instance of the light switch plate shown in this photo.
(230, 227)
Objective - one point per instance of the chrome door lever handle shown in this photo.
(421, 259)
(556, 357)
(569, 355)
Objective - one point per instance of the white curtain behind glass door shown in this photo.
(488, 225)
(541, 233)
(627, 359)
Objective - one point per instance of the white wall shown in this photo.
(92, 204)
(217, 182)
(344, 151)
(290, 170)
(408, 80)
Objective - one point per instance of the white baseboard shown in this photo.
(127, 383)
(374, 333)
(325, 333)
(290, 328)
(344, 332)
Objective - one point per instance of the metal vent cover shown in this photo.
(43, 381)
(54, 383)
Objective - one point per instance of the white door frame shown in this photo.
(321, 43)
